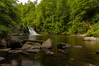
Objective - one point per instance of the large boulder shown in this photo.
(34, 45)
(13, 42)
(31, 45)
(47, 44)
(91, 39)
(26, 46)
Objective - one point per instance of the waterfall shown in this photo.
(31, 31)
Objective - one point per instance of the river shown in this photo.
(85, 55)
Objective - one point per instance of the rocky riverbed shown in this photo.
(16, 46)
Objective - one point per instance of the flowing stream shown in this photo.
(81, 53)
(31, 31)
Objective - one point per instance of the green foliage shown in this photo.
(95, 31)
(4, 32)
(26, 12)
(80, 27)
(8, 13)
(9, 17)
(61, 16)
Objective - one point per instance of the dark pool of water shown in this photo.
(85, 55)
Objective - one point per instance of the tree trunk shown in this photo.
(89, 25)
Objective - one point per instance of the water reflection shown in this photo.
(32, 37)
(90, 42)
(29, 63)
(88, 64)
(81, 53)
(14, 63)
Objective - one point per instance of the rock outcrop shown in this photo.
(91, 39)
(47, 44)
(13, 42)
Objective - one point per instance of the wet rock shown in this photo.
(50, 53)
(2, 58)
(91, 39)
(82, 35)
(5, 64)
(15, 51)
(34, 50)
(88, 64)
(32, 41)
(63, 51)
(31, 45)
(26, 46)
(25, 53)
(7, 49)
(97, 52)
(37, 46)
(63, 46)
(72, 59)
(60, 50)
(78, 46)
(47, 44)
(3, 42)
(4, 52)
(13, 42)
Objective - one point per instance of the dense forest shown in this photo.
(57, 17)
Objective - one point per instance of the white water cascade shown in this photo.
(31, 31)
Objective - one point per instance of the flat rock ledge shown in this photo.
(15, 51)
(5, 64)
(2, 58)
(34, 50)
(91, 39)
(7, 49)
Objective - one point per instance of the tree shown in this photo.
(9, 15)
